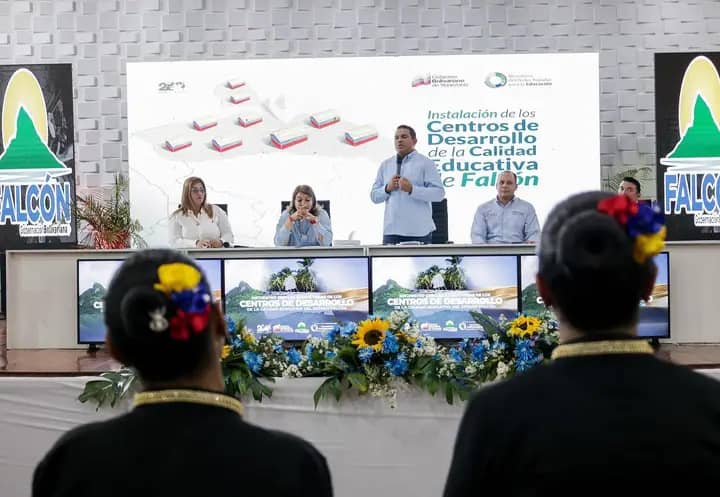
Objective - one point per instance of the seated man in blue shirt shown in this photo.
(506, 218)
(408, 183)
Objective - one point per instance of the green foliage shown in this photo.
(108, 220)
(489, 325)
(110, 388)
(303, 277)
(243, 378)
(277, 280)
(423, 281)
(454, 277)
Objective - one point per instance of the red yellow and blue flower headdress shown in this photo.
(189, 293)
(644, 225)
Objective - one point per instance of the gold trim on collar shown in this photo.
(190, 396)
(601, 348)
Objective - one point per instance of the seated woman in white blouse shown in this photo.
(197, 223)
(303, 223)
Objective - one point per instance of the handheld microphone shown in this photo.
(398, 160)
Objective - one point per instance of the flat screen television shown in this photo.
(440, 291)
(654, 319)
(296, 297)
(93, 278)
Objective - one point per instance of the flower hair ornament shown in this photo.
(184, 285)
(644, 225)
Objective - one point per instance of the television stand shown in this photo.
(93, 348)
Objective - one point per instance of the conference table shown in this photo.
(371, 447)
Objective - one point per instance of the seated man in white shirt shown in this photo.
(506, 218)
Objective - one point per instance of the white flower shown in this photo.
(385, 391)
(470, 369)
(397, 317)
(292, 371)
(502, 369)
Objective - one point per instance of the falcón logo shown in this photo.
(27, 159)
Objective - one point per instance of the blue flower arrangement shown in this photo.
(376, 356)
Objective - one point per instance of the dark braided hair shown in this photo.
(586, 262)
(130, 303)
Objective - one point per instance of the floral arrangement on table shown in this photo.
(376, 356)
(380, 356)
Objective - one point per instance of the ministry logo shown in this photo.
(495, 80)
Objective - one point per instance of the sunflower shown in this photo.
(404, 337)
(247, 336)
(225, 352)
(371, 333)
(524, 326)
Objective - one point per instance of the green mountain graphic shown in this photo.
(530, 305)
(702, 138)
(382, 294)
(27, 150)
(87, 299)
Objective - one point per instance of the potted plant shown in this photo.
(109, 225)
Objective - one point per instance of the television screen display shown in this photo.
(440, 291)
(299, 297)
(654, 319)
(93, 278)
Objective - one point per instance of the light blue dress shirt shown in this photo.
(409, 214)
(514, 222)
(304, 234)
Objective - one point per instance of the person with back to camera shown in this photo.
(184, 437)
(304, 223)
(197, 223)
(605, 416)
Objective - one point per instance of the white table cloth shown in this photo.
(371, 448)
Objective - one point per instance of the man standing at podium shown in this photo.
(506, 218)
(408, 183)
